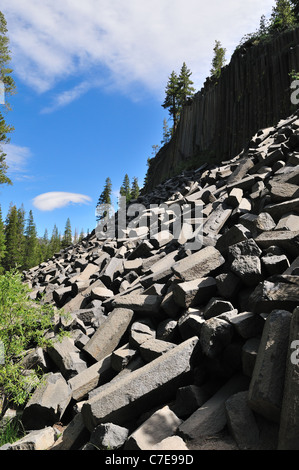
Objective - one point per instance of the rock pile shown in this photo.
(172, 342)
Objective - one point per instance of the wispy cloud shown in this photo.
(17, 159)
(126, 43)
(66, 97)
(57, 200)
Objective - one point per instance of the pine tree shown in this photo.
(21, 235)
(11, 258)
(166, 133)
(32, 253)
(8, 84)
(67, 238)
(82, 235)
(172, 102)
(125, 190)
(264, 26)
(282, 16)
(76, 237)
(45, 246)
(55, 242)
(2, 242)
(104, 201)
(186, 89)
(218, 60)
(135, 190)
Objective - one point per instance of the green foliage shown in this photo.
(135, 190)
(218, 60)
(55, 242)
(11, 431)
(185, 83)
(67, 238)
(294, 75)
(285, 15)
(12, 258)
(9, 87)
(31, 255)
(171, 101)
(125, 189)
(2, 241)
(102, 210)
(282, 16)
(167, 133)
(178, 90)
(23, 324)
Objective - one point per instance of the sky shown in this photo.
(91, 78)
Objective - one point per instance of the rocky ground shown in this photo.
(180, 340)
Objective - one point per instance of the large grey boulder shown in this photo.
(67, 357)
(241, 421)
(48, 403)
(215, 335)
(162, 424)
(135, 393)
(267, 382)
(138, 302)
(90, 378)
(198, 264)
(211, 418)
(107, 436)
(109, 334)
(279, 292)
(42, 439)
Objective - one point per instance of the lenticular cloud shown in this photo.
(57, 200)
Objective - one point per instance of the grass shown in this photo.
(10, 431)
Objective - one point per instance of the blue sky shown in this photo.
(90, 77)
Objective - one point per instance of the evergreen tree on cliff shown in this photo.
(218, 60)
(8, 87)
(178, 90)
(185, 83)
(282, 16)
(171, 101)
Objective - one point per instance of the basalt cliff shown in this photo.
(253, 92)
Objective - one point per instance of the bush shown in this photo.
(23, 324)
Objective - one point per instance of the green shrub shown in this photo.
(23, 324)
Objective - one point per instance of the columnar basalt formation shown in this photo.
(253, 92)
(173, 339)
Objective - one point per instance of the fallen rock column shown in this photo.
(266, 386)
(289, 422)
(141, 390)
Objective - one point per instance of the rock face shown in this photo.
(213, 125)
(181, 329)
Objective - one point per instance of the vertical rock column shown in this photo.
(289, 422)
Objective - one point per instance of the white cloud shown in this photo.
(125, 43)
(56, 200)
(66, 97)
(17, 159)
